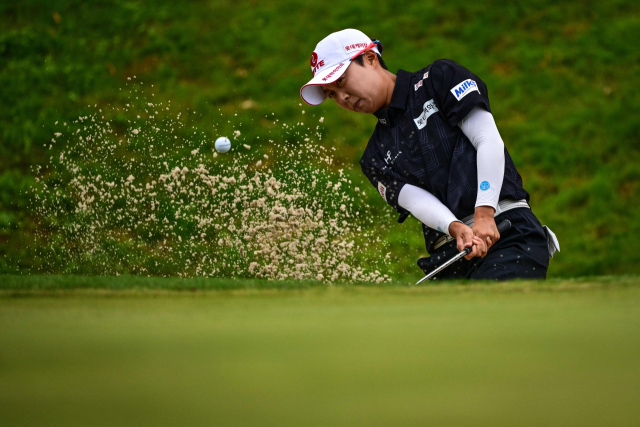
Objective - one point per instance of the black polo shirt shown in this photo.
(417, 141)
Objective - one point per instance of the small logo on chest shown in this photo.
(428, 109)
(388, 160)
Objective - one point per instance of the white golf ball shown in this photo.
(223, 144)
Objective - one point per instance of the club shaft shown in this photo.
(442, 267)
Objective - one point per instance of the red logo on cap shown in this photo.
(315, 64)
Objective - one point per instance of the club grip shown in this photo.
(502, 227)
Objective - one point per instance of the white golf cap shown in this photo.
(331, 58)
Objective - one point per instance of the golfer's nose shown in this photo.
(344, 98)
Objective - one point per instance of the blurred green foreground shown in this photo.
(525, 354)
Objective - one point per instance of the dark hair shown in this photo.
(360, 58)
(360, 61)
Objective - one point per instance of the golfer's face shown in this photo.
(355, 90)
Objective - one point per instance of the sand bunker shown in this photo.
(131, 194)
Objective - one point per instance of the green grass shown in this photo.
(46, 284)
(133, 351)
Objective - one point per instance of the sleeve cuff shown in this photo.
(489, 204)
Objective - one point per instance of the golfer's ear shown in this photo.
(370, 57)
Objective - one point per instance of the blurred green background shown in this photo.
(561, 75)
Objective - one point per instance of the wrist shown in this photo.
(484, 212)
(454, 226)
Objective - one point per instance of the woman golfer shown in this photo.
(436, 154)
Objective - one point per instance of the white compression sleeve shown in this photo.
(426, 208)
(480, 127)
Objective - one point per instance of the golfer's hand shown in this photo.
(484, 225)
(465, 238)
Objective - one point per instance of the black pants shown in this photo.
(521, 252)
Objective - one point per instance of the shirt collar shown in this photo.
(398, 99)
